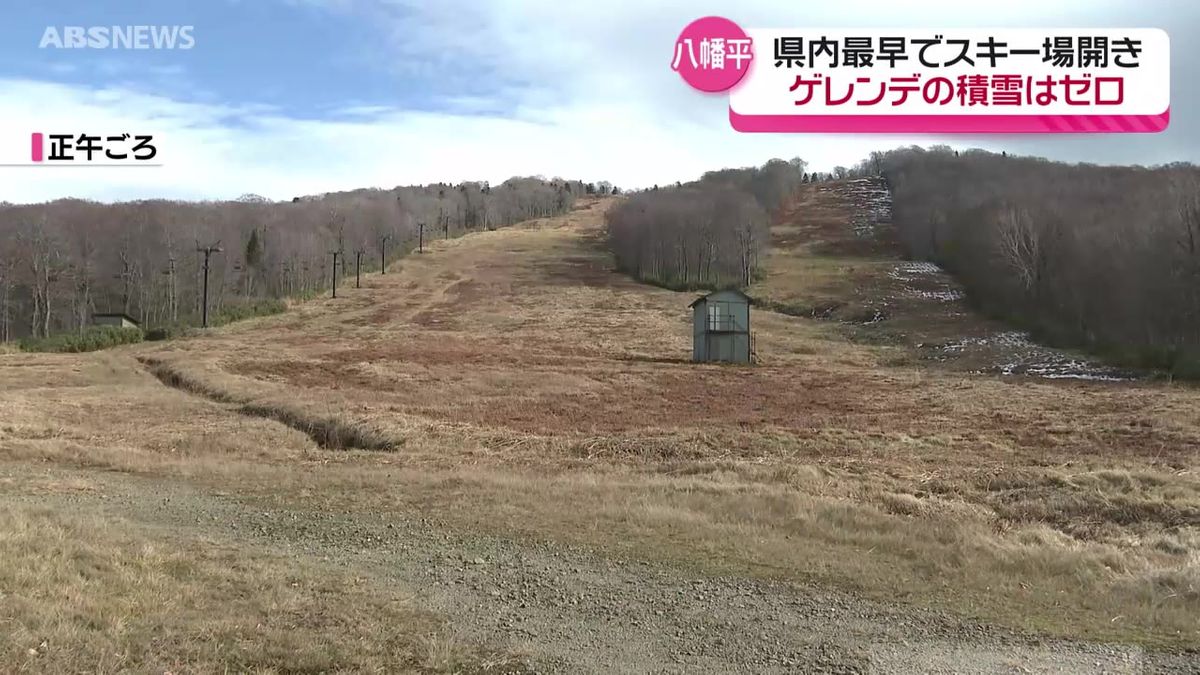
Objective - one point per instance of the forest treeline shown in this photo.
(63, 261)
(707, 233)
(1105, 258)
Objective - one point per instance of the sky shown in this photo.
(293, 97)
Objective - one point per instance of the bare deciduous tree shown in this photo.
(1102, 256)
(703, 234)
(76, 256)
(1019, 242)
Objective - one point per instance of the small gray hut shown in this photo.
(721, 327)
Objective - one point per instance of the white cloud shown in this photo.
(212, 151)
(567, 89)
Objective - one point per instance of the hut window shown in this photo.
(719, 318)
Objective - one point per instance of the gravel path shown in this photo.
(573, 611)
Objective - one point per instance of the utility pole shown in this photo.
(335, 255)
(420, 237)
(207, 251)
(358, 254)
(338, 220)
(169, 273)
(172, 289)
(383, 253)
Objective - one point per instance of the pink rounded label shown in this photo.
(712, 54)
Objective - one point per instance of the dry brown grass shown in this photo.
(813, 262)
(89, 594)
(524, 389)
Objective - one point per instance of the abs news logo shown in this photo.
(117, 37)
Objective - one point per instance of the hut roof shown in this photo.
(749, 300)
(111, 315)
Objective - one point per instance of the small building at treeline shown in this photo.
(118, 319)
(721, 328)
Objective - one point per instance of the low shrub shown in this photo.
(1180, 362)
(821, 310)
(680, 285)
(91, 339)
(248, 310)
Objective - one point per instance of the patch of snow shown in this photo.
(928, 274)
(942, 296)
(1021, 356)
(870, 202)
(909, 271)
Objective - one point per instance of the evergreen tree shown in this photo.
(254, 251)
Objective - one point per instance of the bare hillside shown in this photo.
(498, 458)
(834, 255)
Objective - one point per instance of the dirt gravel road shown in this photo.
(567, 610)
